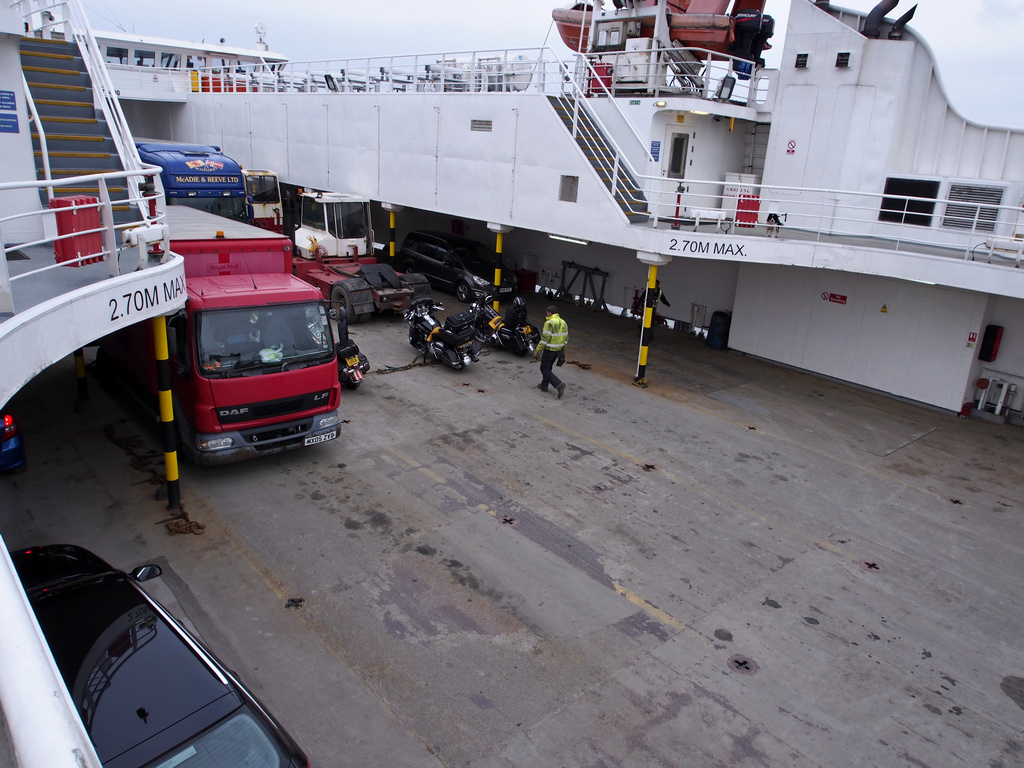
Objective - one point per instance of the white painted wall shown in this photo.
(385, 146)
(904, 338)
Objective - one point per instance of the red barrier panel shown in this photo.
(75, 220)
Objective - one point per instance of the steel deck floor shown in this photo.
(741, 565)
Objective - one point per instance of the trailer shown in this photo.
(334, 252)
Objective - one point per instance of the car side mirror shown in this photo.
(146, 572)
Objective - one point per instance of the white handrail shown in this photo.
(33, 115)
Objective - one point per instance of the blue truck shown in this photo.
(199, 176)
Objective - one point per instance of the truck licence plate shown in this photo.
(321, 438)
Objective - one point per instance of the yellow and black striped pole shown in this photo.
(83, 383)
(163, 385)
(645, 336)
(391, 236)
(498, 243)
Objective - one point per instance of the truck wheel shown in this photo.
(464, 293)
(338, 299)
(340, 294)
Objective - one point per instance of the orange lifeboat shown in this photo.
(693, 23)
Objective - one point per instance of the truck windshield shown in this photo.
(263, 189)
(228, 207)
(245, 340)
(347, 220)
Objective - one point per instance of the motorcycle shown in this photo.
(454, 342)
(352, 364)
(512, 332)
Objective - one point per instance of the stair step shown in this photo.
(71, 172)
(76, 120)
(53, 70)
(60, 87)
(69, 137)
(75, 154)
(49, 55)
(61, 103)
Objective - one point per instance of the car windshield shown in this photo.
(254, 340)
(237, 740)
(477, 258)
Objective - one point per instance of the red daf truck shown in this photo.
(253, 363)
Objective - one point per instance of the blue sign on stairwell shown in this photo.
(655, 150)
(7, 101)
(9, 123)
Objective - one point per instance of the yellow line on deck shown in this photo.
(650, 610)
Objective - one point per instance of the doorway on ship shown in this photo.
(676, 196)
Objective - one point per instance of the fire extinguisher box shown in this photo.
(71, 219)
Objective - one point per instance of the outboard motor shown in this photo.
(751, 32)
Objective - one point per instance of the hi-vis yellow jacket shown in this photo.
(554, 336)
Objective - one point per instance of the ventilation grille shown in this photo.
(481, 125)
(972, 207)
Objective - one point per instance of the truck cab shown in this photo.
(199, 176)
(334, 252)
(253, 362)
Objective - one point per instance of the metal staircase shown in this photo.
(75, 136)
(602, 156)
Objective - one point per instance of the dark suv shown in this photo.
(455, 263)
(148, 693)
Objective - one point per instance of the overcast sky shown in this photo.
(976, 42)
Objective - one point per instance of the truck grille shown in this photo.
(269, 409)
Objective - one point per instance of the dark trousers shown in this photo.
(547, 360)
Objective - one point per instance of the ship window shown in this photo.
(569, 189)
(801, 61)
(972, 207)
(677, 155)
(145, 58)
(899, 208)
(842, 60)
(117, 55)
(170, 60)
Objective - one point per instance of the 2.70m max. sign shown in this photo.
(142, 299)
(703, 247)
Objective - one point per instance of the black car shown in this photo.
(455, 263)
(149, 694)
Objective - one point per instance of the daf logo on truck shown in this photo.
(232, 412)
